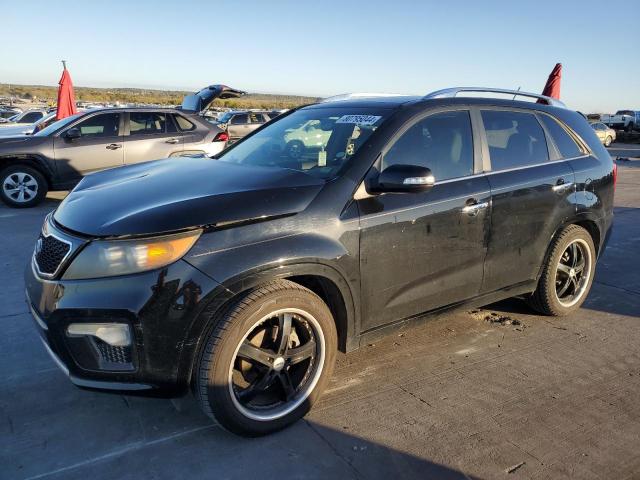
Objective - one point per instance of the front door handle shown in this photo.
(114, 146)
(472, 209)
(173, 141)
(561, 185)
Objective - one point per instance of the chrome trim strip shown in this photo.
(37, 318)
(55, 358)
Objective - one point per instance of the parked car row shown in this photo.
(239, 278)
(57, 156)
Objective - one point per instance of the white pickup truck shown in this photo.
(627, 120)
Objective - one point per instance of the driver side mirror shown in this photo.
(72, 134)
(402, 179)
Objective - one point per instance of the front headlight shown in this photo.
(108, 258)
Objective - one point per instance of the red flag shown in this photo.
(552, 88)
(66, 98)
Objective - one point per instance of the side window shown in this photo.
(256, 118)
(183, 124)
(105, 125)
(240, 119)
(566, 145)
(515, 139)
(31, 117)
(442, 142)
(146, 123)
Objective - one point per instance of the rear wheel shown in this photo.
(607, 141)
(267, 359)
(567, 275)
(22, 186)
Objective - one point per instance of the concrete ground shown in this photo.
(468, 395)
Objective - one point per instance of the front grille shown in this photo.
(111, 354)
(50, 252)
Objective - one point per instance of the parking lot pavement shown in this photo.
(471, 394)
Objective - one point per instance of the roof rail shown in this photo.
(351, 96)
(452, 92)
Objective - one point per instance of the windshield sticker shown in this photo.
(322, 158)
(361, 120)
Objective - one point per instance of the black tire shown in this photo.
(630, 128)
(548, 298)
(295, 149)
(607, 141)
(32, 183)
(221, 360)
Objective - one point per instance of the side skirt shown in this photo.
(379, 332)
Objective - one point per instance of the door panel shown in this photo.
(530, 197)
(151, 137)
(239, 126)
(99, 147)
(421, 251)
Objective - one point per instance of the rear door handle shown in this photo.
(561, 186)
(173, 141)
(114, 146)
(474, 208)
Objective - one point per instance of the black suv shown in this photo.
(241, 276)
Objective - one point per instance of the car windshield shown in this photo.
(224, 118)
(317, 141)
(45, 132)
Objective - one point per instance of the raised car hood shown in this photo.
(173, 194)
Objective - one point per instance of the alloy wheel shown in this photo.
(20, 187)
(573, 272)
(277, 364)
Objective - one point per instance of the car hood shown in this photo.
(175, 194)
(22, 141)
(16, 130)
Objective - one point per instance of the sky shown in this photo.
(327, 47)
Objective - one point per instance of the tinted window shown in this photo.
(442, 142)
(239, 119)
(566, 145)
(515, 139)
(106, 125)
(31, 117)
(184, 124)
(145, 123)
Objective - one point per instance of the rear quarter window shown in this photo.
(515, 139)
(183, 124)
(566, 145)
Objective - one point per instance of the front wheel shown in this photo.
(567, 274)
(607, 141)
(267, 359)
(22, 186)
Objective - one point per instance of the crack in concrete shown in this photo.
(117, 453)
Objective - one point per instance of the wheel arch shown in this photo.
(325, 281)
(32, 161)
(585, 221)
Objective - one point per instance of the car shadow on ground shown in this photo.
(104, 436)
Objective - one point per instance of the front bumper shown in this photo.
(160, 308)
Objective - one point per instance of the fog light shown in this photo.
(115, 334)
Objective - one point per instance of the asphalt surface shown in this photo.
(467, 395)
